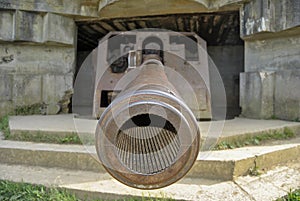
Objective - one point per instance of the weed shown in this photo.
(254, 171)
(4, 126)
(70, 139)
(45, 138)
(256, 140)
(273, 117)
(29, 109)
(291, 196)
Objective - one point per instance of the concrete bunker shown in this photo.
(220, 30)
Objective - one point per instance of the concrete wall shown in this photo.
(37, 60)
(38, 50)
(270, 84)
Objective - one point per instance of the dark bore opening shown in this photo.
(147, 144)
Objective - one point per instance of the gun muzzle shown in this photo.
(148, 138)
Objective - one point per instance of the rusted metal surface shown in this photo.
(148, 138)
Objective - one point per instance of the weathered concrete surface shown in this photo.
(257, 94)
(38, 63)
(54, 124)
(26, 80)
(272, 46)
(67, 7)
(133, 8)
(271, 94)
(222, 165)
(238, 128)
(88, 185)
(50, 155)
(36, 27)
(269, 86)
(259, 16)
(287, 94)
(273, 54)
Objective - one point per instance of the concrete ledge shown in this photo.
(217, 131)
(49, 155)
(223, 165)
(37, 28)
(59, 125)
(89, 185)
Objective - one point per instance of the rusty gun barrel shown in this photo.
(148, 138)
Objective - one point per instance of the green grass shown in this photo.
(256, 140)
(29, 109)
(291, 196)
(4, 127)
(11, 191)
(45, 138)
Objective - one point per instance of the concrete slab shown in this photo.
(272, 185)
(90, 185)
(51, 124)
(50, 155)
(211, 132)
(224, 165)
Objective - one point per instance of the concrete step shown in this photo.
(211, 132)
(90, 185)
(222, 165)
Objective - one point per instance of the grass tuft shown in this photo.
(256, 140)
(29, 109)
(291, 196)
(4, 126)
(22, 191)
(11, 191)
(45, 138)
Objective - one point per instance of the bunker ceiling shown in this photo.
(218, 29)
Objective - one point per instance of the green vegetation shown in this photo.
(45, 138)
(4, 127)
(29, 109)
(273, 117)
(291, 196)
(254, 171)
(10, 191)
(256, 140)
(20, 110)
(21, 191)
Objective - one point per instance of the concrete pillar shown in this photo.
(270, 86)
